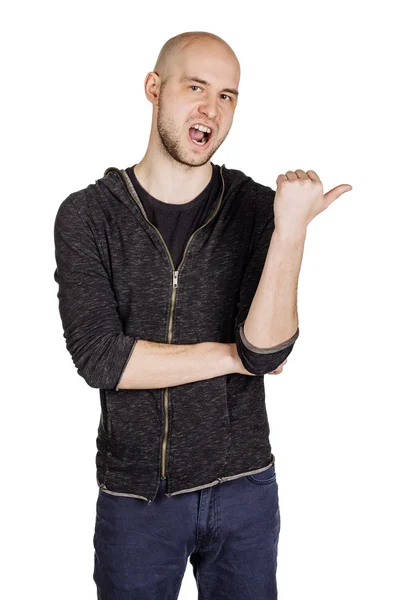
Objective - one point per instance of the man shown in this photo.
(173, 310)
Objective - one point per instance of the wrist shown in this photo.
(290, 236)
(232, 361)
(222, 358)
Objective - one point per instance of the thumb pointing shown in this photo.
(336, 192)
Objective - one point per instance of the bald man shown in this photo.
(167, 303)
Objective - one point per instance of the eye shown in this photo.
(197, 86)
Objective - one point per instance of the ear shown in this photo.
(152, 84)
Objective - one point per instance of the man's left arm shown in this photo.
(273, 319)
(258, 282)
(271, 326)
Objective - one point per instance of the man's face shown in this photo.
(184, 102)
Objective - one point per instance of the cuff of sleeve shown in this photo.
(126, 362)
(270, 350)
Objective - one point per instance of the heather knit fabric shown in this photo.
(116, 277)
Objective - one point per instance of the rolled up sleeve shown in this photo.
(258, 361)
(88, 308)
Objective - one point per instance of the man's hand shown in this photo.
(299, 198)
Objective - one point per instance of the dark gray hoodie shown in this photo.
(117, 284)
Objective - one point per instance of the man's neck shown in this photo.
(173, 185)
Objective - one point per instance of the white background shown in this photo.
(318, 91)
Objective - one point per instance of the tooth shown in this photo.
(202, 128)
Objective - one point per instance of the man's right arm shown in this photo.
(156, 365)
(103, 354)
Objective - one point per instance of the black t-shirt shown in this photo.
(177, 222)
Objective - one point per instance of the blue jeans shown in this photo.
(228, 531)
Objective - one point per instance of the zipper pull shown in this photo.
(175, 279)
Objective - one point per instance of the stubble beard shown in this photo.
(170, 140)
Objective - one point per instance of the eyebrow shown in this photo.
(233, 91)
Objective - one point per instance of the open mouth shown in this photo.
(199, 138)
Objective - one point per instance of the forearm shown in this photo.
(156, 365)
(272, 318)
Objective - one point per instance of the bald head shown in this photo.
(173, 51)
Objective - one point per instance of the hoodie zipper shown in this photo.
(175, 274)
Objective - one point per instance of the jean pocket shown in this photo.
(266, 477)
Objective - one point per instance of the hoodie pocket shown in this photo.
(227, 422)
(133, 429)
(200, 433)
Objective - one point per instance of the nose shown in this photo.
(208, 107)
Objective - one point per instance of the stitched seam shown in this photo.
(95, 239)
